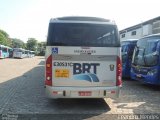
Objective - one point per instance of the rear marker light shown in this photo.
(113, 91)
(55, 92)
(58, 92)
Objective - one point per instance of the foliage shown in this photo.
(31, 44)
(4, 38)
(17, 43)
(41, 48)
(4, 33)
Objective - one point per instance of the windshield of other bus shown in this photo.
(4, 49)
(26, 52)
(83, 34)
(146, 52)
(127, 46)
(124, 50)
(18, 50)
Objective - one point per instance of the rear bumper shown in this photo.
(73, 92)
(148, 79)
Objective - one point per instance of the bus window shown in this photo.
(93, 35)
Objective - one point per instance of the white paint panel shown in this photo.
(104, 56)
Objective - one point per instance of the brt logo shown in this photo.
(85, 68)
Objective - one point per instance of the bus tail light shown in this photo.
(119, 72)
(48, 77)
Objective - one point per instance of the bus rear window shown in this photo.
(82, 34)
(18, 50)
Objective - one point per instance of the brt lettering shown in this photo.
(85, 68)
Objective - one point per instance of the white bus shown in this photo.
(31, 54)
(19, 53)
(83, 58)
(26, 54)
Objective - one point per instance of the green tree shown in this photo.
(9, 42)
(32, 44)
(4, 38)
(41, 48)
(17, 43)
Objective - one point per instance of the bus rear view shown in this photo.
(82, 58)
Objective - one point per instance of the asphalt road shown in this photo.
(22, 96)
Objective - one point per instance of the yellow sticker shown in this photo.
(62, 73)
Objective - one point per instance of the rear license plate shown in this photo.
(84, 93)
(62, 73)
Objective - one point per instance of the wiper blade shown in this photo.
(134, 60)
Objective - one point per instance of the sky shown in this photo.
(25, 19)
